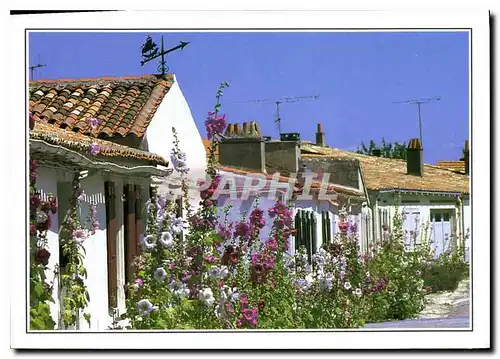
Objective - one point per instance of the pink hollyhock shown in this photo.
(215, 124)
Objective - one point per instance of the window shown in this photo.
(305, 223)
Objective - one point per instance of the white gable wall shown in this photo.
(174, 112)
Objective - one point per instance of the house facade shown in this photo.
(128, 123)
(135, 111)
(430, 196)
(316, 189)
(116, 180)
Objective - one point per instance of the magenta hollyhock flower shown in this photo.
(139, 282)
(250, 315)
(215, 124)
(171, 266)
(257, 218)
(185, 277)
(255, 257)
(243, 300)
(94, 149)
(269, 263)
(35, 201)
(242, 229)
(343, 227)
(272, 244)
(32, 229)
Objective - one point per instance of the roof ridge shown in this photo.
(98, 79)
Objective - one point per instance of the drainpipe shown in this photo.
(461, 220)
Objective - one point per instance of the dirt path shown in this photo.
(448, 304)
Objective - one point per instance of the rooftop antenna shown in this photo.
(150, 52)
(34, 67)
(278, 103)
(418, 103)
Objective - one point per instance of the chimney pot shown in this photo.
(414, 157)
(320, 136)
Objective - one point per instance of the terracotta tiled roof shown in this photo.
(315, 186)
(81, 143)
(456, 166)
(123, 105)
(387, 173)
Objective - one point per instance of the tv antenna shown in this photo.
(34, 67)
(418, 103)
(278, 104)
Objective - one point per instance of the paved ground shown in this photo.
(442, 323)
(443, 310)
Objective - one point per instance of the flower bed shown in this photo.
(220, 275)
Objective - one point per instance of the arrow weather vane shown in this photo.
(150, 52)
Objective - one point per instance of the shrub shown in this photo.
(401, 269)
(446, 272)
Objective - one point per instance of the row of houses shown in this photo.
(372, 187)
(133, 137)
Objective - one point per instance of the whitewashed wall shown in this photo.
(96, 255)
(58, 183)
(174, 112)
(422, 204)
(47, 183)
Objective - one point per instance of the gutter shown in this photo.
(417, 191)
(83, 161)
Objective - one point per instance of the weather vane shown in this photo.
(150, 52)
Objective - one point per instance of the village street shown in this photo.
(443, 310)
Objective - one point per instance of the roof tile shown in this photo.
(80, 143)
(388, 173)
(128, 103)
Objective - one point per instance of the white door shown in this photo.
(441, 231)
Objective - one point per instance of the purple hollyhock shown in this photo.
(94, 149)
(250, 315)
(215, 124)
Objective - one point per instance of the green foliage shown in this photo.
(446, 272)
(40, 291)
(387, 149)
(75, 296)
(404, 297)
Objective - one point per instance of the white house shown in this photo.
(133, 119)
(248, 160)
(117, 180)
(427, 194)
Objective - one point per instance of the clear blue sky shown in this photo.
(358, 76)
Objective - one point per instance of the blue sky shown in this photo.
(357, 75)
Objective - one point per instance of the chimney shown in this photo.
(320, 136)
(414, 158)
(243, 147)
(283, 155)
(377, 152)
(466, 157)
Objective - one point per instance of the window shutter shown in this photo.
(138, 218)
(130, 231)
(111, 232)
